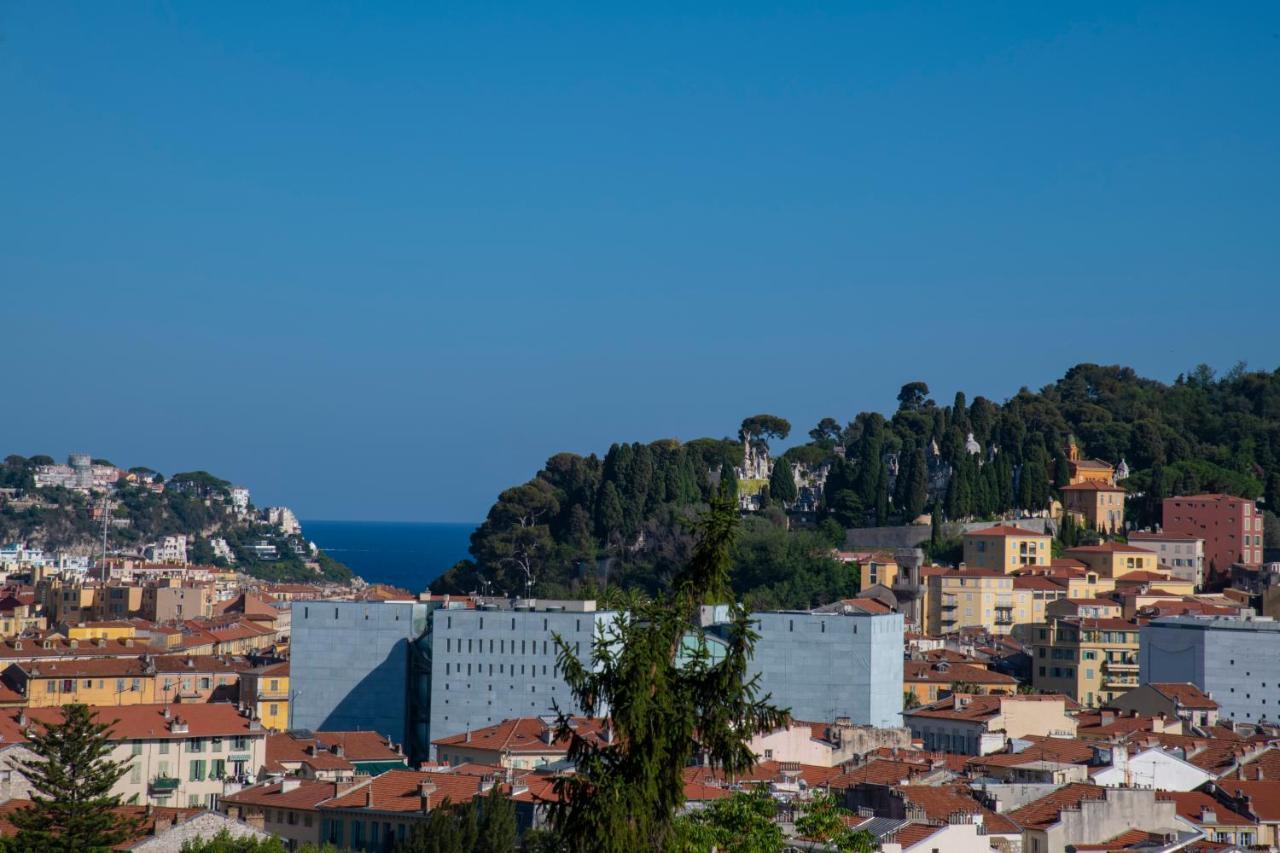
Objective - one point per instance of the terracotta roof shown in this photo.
(398, 791)
(144, 722)
(763, 771)
(196, 663)
(1065, 750)
(92, 668)
(912, 834)
(148, 815)
(306, 795)
(1187, 695)
(1191, 806)
(939, 802)
(1004, 530)
(1038, 582)
(523, 734)
(880, 771)
(1264, 796)
(1092, 486)
(1109, 548)
(1044, 812)
(317, 751)
(867, 605)
(979, 708)
(945, 672)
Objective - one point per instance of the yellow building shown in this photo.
(1100, 505)
(1090, 660)
(105, 681)
(970, 598)
(116, 602)
(1088, 470)
(1115, 559)
(878, 570)
(99, 630)
(1006, 548)
(1162, 581)
(265, 691)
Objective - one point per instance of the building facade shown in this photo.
(1091, 660)
(1006, 548)
(1231, 528)
(496, 662)
(828, 665)
(1236, 661)
(1183, 556)
(350, 665)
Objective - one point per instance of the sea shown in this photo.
(408, 555)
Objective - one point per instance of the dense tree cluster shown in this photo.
(622, 520)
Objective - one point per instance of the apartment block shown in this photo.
(1006, 549)
(1183, 556)
(1091, 660)
(1231, 528)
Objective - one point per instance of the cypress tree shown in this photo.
(917, 485)
(782, 484)
(71, 780)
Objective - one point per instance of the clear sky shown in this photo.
(379, 260)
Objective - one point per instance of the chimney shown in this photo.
(466, 738)
(289, 783)
(368, 796)
(425, 790)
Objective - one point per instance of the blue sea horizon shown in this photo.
(406, 554)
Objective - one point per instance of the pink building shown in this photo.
(1231, 528)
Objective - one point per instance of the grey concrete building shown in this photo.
(498, 661)
(1234, 660)
(350, 666)
(828, 665)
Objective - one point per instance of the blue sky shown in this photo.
(381, 260)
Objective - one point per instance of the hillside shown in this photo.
(583, 521)
(58, 508)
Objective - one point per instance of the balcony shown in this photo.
(949, 602)
(1004, 619)
(1130, 665)
(163, 786)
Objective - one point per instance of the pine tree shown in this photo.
(729, 481)
(495, 823)
(782, 484)
(72, 807)
(666, 703)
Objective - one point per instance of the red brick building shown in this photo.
(1231, 528)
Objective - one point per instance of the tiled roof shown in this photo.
(317, 751)
(1044, 812)
(306, 794)
(1186, 694)
(399, 791)
(1264, 796)
(1040, 582)
(764, 771)
(1066, 750)
(912, 834)
(1092, 486)
(92, 668)
(148, 816)
(1109, 548)
(523, 734)
(879, 771)
(143, 722)
(947, 673)
(1004, 530)
(196, 663)
(940, 802)
(1191, 806)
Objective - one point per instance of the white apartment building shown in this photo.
(1183, 555)
(183, 755)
